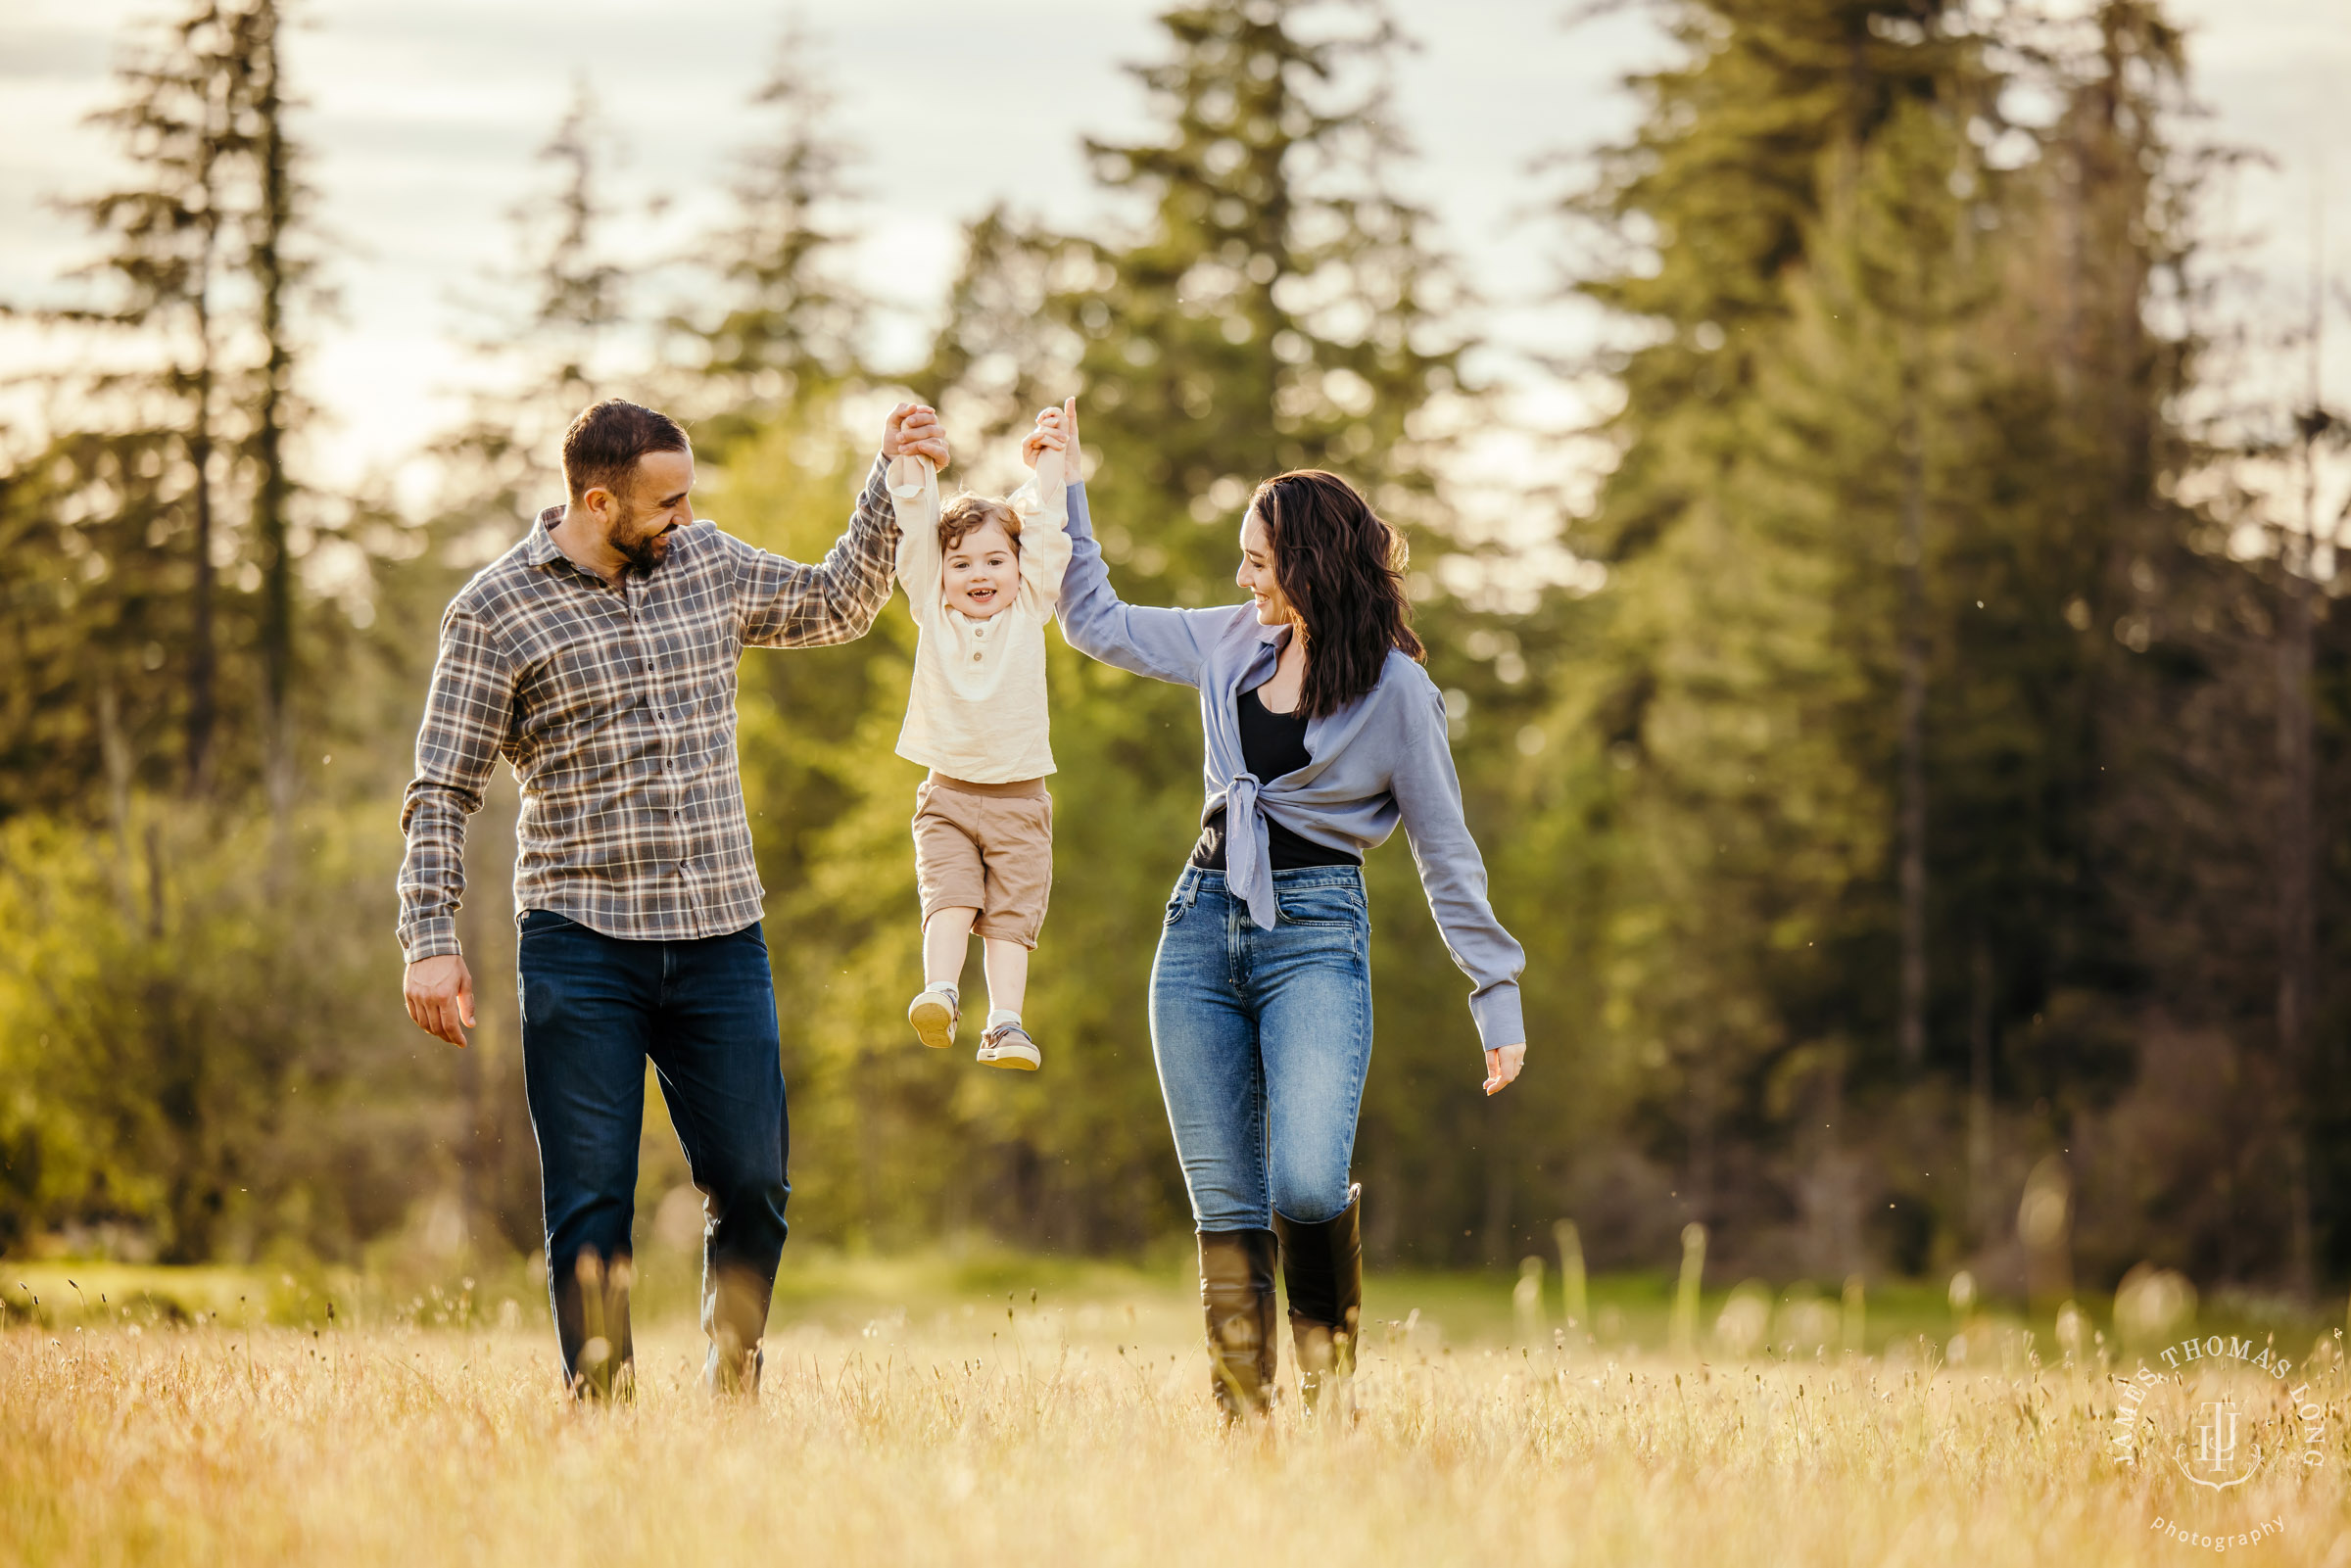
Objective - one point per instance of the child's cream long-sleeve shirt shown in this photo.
(976, 709)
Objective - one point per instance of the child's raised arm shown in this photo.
(913, 491)
(1044, 507)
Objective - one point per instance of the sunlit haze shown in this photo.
(426, 115)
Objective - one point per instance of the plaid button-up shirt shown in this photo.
(617, 711)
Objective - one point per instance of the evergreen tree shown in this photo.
(189, 968)
(1851, 758)
(167, 261)
(138, 478)
(554, 342)
(786, 336)
(1726, 810)
(1281, 308)
(273, 223)
(1278, 308)
(578, 293)
(159, 473)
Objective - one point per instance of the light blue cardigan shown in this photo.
(1380, 760)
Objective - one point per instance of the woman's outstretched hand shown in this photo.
(1047, 437)
(1502, 1067)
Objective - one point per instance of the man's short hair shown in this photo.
(603, 444)
(968, 514)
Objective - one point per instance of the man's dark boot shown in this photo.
(735, 1305)
(592, 1323)
(1323, 1267)
(1236, 1292)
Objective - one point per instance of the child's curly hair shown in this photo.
(968, 514)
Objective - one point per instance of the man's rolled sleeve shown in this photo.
(783, 603)
(467, 716)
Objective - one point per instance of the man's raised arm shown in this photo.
(783, 603)
(467, 716)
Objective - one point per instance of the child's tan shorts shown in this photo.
(988, 847)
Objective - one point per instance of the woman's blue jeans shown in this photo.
(1263, 1039)
(594, 1010)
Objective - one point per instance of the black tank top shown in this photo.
(1272, 745)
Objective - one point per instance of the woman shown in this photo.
(1324, 732)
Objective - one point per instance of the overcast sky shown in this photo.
(425, 116)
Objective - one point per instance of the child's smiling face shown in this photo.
(983, 572)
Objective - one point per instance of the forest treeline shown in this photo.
(1922, 824)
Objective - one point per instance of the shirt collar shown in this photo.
(1271, 641)
(541, 548)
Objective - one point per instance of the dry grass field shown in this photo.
(999, 1430)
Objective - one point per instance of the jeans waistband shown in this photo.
(1195, 880)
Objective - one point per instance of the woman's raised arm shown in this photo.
(1166, 644)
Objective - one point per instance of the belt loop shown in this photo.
(1191, 884)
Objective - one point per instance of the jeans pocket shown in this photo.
(1319, 906)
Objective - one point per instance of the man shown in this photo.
(599, 657)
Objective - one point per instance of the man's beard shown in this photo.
(641, 556)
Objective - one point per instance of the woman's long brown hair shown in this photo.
(1341, 566)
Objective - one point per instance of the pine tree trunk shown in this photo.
(2296, 933)
(1911, 1023)
(1983, 1205)
(1494, 1238)
(202, 670)
(203, 654)
(114, 750)
(271, 222)
(1699, 1194)
(1829, 1198)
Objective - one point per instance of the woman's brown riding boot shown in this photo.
(1237, 1291)
(1323, 1267)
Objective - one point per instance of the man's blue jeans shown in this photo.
(595, 1008)
(1263, 1039)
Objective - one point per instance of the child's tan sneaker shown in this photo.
(1008, 1045)
(935, 1014)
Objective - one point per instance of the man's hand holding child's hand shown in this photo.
(914, 431)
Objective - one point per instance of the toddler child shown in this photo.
(981, 577)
